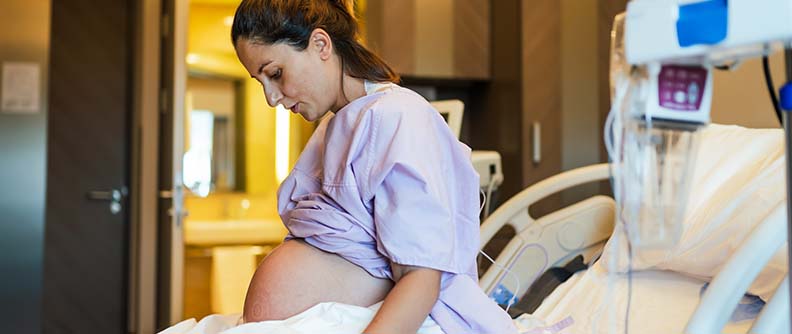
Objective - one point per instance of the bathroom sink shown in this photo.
(233, 232)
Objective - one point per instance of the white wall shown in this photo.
(24, 36)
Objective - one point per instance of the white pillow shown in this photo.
(738, 183)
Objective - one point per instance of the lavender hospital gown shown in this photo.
(384, 180)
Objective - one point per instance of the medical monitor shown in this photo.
(452, 111)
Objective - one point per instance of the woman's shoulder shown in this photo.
(390, 111)
(399, 105)
(390, 104)
(398, 99)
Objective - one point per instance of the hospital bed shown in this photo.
(659, 300)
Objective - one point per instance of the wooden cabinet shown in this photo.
(448, 39)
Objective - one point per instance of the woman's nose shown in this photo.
(273, 95)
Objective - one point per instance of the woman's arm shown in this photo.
(409, 302)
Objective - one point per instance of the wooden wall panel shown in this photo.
(390, 30)
(472, 38)
(438, 39)
(541, 89)
(434, 49)
(498, 127)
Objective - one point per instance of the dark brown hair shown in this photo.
(292, 21)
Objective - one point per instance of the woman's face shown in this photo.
(306, 82)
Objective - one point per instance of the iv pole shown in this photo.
(786, 106)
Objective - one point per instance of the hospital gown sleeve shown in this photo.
(411, 184)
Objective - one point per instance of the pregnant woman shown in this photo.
(382, 205)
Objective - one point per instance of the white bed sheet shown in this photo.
(661, 303)
(325, 318)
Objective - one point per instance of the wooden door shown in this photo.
(88, 158)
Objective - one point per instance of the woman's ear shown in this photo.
(322, 43)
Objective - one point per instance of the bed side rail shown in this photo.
(552, 240)
(736, 276)
(515, 211)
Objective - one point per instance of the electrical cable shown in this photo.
(495, 179)
(513, 299)
(483, 202)
(771, 88)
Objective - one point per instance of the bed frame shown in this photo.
(551, 240)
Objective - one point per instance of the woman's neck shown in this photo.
(352, 89)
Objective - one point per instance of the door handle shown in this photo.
(114, 196)
(180, 213)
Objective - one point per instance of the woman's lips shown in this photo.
(295, 108)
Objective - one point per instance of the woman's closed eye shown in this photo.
(277, 74)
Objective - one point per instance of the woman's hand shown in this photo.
(409, 302)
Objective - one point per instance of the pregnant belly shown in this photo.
(296, 276)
